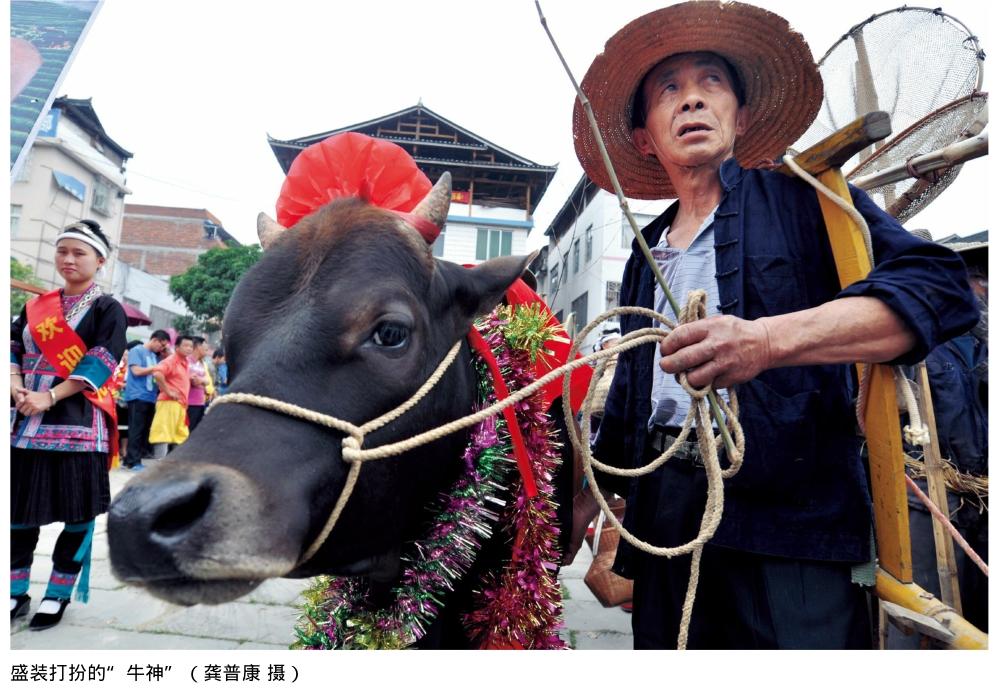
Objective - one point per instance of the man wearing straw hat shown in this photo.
(690, 99)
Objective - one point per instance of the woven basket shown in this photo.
(609, 588)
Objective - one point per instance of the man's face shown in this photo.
(157, 345)
(184, 348)
(200, 351)
(692, 115)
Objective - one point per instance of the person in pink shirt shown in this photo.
(199, 381)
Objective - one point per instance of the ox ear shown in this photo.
(483, 286)
(269, 230)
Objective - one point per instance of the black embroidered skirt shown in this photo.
(51, 486)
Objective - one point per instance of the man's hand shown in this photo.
(174, 394)
(723, 350)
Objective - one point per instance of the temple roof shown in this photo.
(494, 175)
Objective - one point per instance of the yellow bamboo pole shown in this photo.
(913, 597)
(882, 422)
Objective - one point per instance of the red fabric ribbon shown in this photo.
(556, 353)
(478, 343)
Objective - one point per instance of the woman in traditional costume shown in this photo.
(63, 351)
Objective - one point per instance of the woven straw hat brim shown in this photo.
(783, 89)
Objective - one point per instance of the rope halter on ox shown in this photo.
(352, 450)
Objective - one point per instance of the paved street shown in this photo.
(119, 617)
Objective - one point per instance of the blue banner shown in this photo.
(70, 185)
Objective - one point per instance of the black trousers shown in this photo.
(140, 416)
(24, 540)
(744, 600)
(195, 413)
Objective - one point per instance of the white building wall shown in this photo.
(42, 209)
(611, 239)
(460, 234)
(143, 290)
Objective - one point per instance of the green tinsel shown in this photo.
(528, 328)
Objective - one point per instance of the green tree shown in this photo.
(206, 286)
(185, 324)
(21, 272)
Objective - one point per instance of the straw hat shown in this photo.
(783, 89)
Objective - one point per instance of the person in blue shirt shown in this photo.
(140, 393)
(691, 99)
(219, 372)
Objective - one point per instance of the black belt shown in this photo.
(663, 439)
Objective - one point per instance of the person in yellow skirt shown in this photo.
(170, 426)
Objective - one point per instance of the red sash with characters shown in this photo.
(63, 349)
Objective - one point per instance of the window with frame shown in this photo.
(15, 219)
(101, 196)
(554, 279)
(612, 297)
(491, 243)
(627, 235)
(575, 257)
(565, 267)
(25, 173)
(161, 317)
(438, 248)
(579, 309)
(589, 242)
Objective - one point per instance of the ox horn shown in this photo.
(269, 230)
(434, 206)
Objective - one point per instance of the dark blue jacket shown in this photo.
(959, 392)
(801, 491)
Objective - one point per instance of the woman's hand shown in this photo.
(31, 403)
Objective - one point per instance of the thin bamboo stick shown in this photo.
(943, 547)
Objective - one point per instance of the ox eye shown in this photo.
(390, 335)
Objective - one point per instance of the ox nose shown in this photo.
(147, 525)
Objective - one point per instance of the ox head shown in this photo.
(347, 313)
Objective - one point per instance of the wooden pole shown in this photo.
(943, 546)
(882, 423)
(913, 597)
(21, 285)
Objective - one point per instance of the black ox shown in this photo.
(347, 314)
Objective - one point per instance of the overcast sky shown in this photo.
(192, 88)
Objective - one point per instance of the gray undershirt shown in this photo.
(683, 270)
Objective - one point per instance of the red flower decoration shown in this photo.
(351, 164)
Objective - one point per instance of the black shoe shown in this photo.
(48, 620)
(22, 607)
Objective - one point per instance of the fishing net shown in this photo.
(906, 198)
(921, 66)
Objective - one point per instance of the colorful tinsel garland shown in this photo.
(517, 607)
